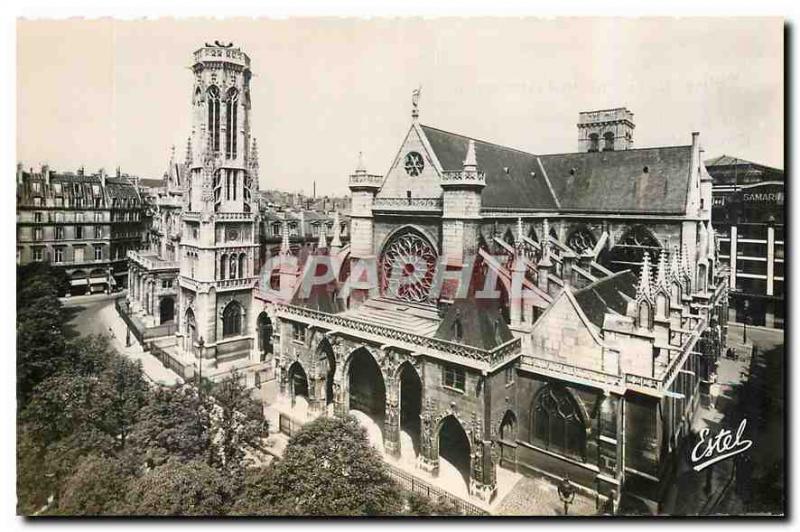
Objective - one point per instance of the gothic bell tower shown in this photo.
(219, 244)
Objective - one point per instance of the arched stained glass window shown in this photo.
(556, 423)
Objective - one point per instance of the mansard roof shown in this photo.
(71, 186)
(652, 180)
(611, 293)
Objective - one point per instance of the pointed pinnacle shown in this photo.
(471, 160)
(644, 288)
(336, 242)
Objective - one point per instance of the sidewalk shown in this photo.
(74, 301)
(151, 366)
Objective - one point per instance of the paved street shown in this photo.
(97, 315)
(751, 482)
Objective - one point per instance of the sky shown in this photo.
(109, 93)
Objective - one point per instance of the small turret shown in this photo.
(322, 243)
(661, 276)
(336, 241)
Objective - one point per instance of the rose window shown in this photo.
(408, 265)
(414, 164)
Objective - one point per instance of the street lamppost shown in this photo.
(746, 319)
(566, 492)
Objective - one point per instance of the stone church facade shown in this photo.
(597, 351)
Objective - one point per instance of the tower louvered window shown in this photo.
(231, 123)
(213, 117)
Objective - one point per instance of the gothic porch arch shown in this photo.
(452, 442)
(365, 385)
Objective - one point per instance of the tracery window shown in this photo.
(556, 423)
(232, 320)
(408, 264)
(581, 240)
(628, 253)
(213, 116)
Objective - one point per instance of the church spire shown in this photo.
(644, 289)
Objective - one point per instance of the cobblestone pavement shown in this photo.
(537, 496)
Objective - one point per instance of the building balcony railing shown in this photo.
(461, 177)
(366, 180)
(402, 339)
(571, 370)
(219, 286)
(234, 216)
(406, 204)
(150, 263)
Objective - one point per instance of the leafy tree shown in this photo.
(130, 392)
(174, 423)
(40, 321)
(98, 486)
(67, 404)
(181, 488)
(237, 422)
(330, 468)
(256, 492)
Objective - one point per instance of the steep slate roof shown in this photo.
(607, 294)
(615, 181)
(515, 189)
(612, 181)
